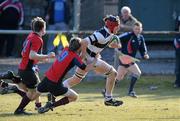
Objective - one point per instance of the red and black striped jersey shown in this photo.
(33, 42)
(63, 63)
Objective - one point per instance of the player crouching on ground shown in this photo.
(54, 76)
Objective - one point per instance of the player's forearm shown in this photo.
(35, 56)
(39, 57)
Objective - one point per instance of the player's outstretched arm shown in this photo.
(35, 56)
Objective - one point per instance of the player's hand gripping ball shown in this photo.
(115, 39)
(115, 42)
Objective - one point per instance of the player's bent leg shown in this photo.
(22, 87)
(35, 95)
(135, 74)
(70, 96)
(55, 89)
(16, 89)
(25, 101)
(135, 70)
(110, 81)
(31, 94)
(120, 75)
(106, 69)
(76, 79)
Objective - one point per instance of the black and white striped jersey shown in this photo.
(99, 40)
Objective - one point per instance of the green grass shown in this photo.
(162, 104)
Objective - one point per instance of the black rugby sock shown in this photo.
(38, 105)
(132, 84)
(25, 101)
(20, 92)
(60, 102)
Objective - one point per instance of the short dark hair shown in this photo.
(37, 24)
(138, 23)
(75, 44)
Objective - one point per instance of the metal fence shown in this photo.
(150, 36)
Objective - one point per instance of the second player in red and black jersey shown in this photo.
(53, 77)
(64, 62)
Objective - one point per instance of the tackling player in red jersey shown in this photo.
(54, 75)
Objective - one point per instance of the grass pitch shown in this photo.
(161, 104)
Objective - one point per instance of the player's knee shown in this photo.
(112, 73)
(136, 75)
(75, 97)
(31, 95)
(72, 95)
(120, 77)
(35, 96)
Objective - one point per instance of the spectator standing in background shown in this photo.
(177, 49)
(127, 19)
(11, 18)
(58, 17)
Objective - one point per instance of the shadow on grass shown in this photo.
(91, 99)
(11, 114)
(168, 118)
